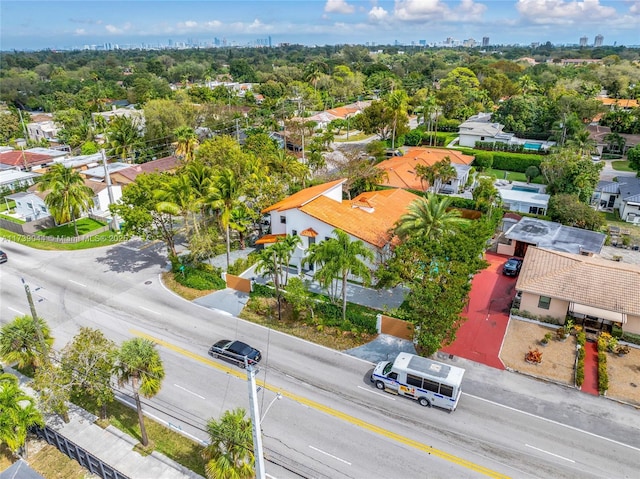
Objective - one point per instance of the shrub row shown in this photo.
(499, 146)
(603, 375)
(628, 337)
(580, 367)
(242, 264)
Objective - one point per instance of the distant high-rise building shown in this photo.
(269, 41)
(583, 41)
(598, 41)
(485, 41)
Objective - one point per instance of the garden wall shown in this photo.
(395, 327)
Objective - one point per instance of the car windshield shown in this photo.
(387, 368)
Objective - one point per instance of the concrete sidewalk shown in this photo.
(111, 445)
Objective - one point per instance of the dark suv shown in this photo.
(512, 267)
(235, 351)
(3, 257)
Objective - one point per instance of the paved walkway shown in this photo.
(590, 384)
(480, 336)
(111, 445)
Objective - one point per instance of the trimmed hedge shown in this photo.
(515, 161)
(603, 375)
(580, 367)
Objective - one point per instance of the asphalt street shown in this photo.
(330, 422)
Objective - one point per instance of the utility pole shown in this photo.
(255, 420)
(36, 322)
(237, 131)
(107, 178)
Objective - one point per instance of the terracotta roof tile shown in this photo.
(370, 223)
(303, 196)
(401, 169)
(591, 281)
(268, 239)
(310, 232)
(18, 158)
(156, 166)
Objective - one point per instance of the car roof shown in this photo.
(240, 346)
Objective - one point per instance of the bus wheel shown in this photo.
(424, 402)
(380, 385)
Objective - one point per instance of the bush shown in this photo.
(413, 138)
(581, 338)
(483, 160)
(515, 161)
(603, 375)
(203, 277)
(580, 367)
(242, 264)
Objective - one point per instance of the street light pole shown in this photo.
(255, 420)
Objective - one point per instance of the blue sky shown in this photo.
(27, 24)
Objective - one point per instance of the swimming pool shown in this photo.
(525, 188)
(532, 146)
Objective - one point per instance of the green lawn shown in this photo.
(621, 165)
(511, 176)
(3, 205)
(12, 219)
(85, 225)
(163, 439)
(105, 238)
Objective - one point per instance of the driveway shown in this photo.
(480, 336)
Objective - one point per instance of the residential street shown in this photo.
(331, 422)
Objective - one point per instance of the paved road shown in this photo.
(331, 421)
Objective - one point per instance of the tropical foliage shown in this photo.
(18, 413)
(229, 454)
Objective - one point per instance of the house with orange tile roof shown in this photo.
(24, 160)
(619, 103)
(559, 284)
(401, 170)
(315, 212)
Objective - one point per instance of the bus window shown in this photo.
(414, 380)
(430, 385)
(393, 376)
(446, 390)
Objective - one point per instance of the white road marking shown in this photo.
(330, 455)
(190, 392)
(554, 422)
(16, 311)
(79, 284)
(388, 396)
(150, 310)
(550, 453)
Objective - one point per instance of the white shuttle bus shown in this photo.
(429, 382)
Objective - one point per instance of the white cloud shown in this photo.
(634, 9)
(378, 14)
(80, 32)
(469, 11)
(420, 10)
(113, 29)
(564, 12)
(338, 6)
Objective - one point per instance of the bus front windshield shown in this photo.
(387, 368)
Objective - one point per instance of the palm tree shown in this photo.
(176, 197)
(340, 258)
(68, 195)
(187, 143)
(582, 143)
(123, 137)
(445, 172)
(427, 174)
(19, 413)
(428, 218)
(20, 342)
(229, 454)
(224, 193)
(241, 218)
(138, 363)
(397, 102)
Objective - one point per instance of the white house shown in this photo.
(43, 130)
(623, 195)
(523, 200)
(480, 128)
(11, 179)
(315, 212)
(30, 205)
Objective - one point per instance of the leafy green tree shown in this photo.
(568, 172)
(138, 210)
(376, 119)
(68, 196)
(18, 413)
(88, 362)
(633, 155)
(9, 127)
(570, 211)
(176, 197)
(298, 296)
(123, 137)
(138, 363)
(229, 454)
(341, 258)
(531, 173)
(53, 386)
(20, 342)
(429, 218)
(485, 194)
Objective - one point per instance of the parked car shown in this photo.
(512, 266)
(3, 257)
(235, 351)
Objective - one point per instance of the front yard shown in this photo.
(558, 359)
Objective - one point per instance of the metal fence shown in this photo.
(84, 458)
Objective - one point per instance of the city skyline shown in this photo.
(36, 25)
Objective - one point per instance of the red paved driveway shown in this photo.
(480, 336)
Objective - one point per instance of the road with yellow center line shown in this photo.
(333, 412)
